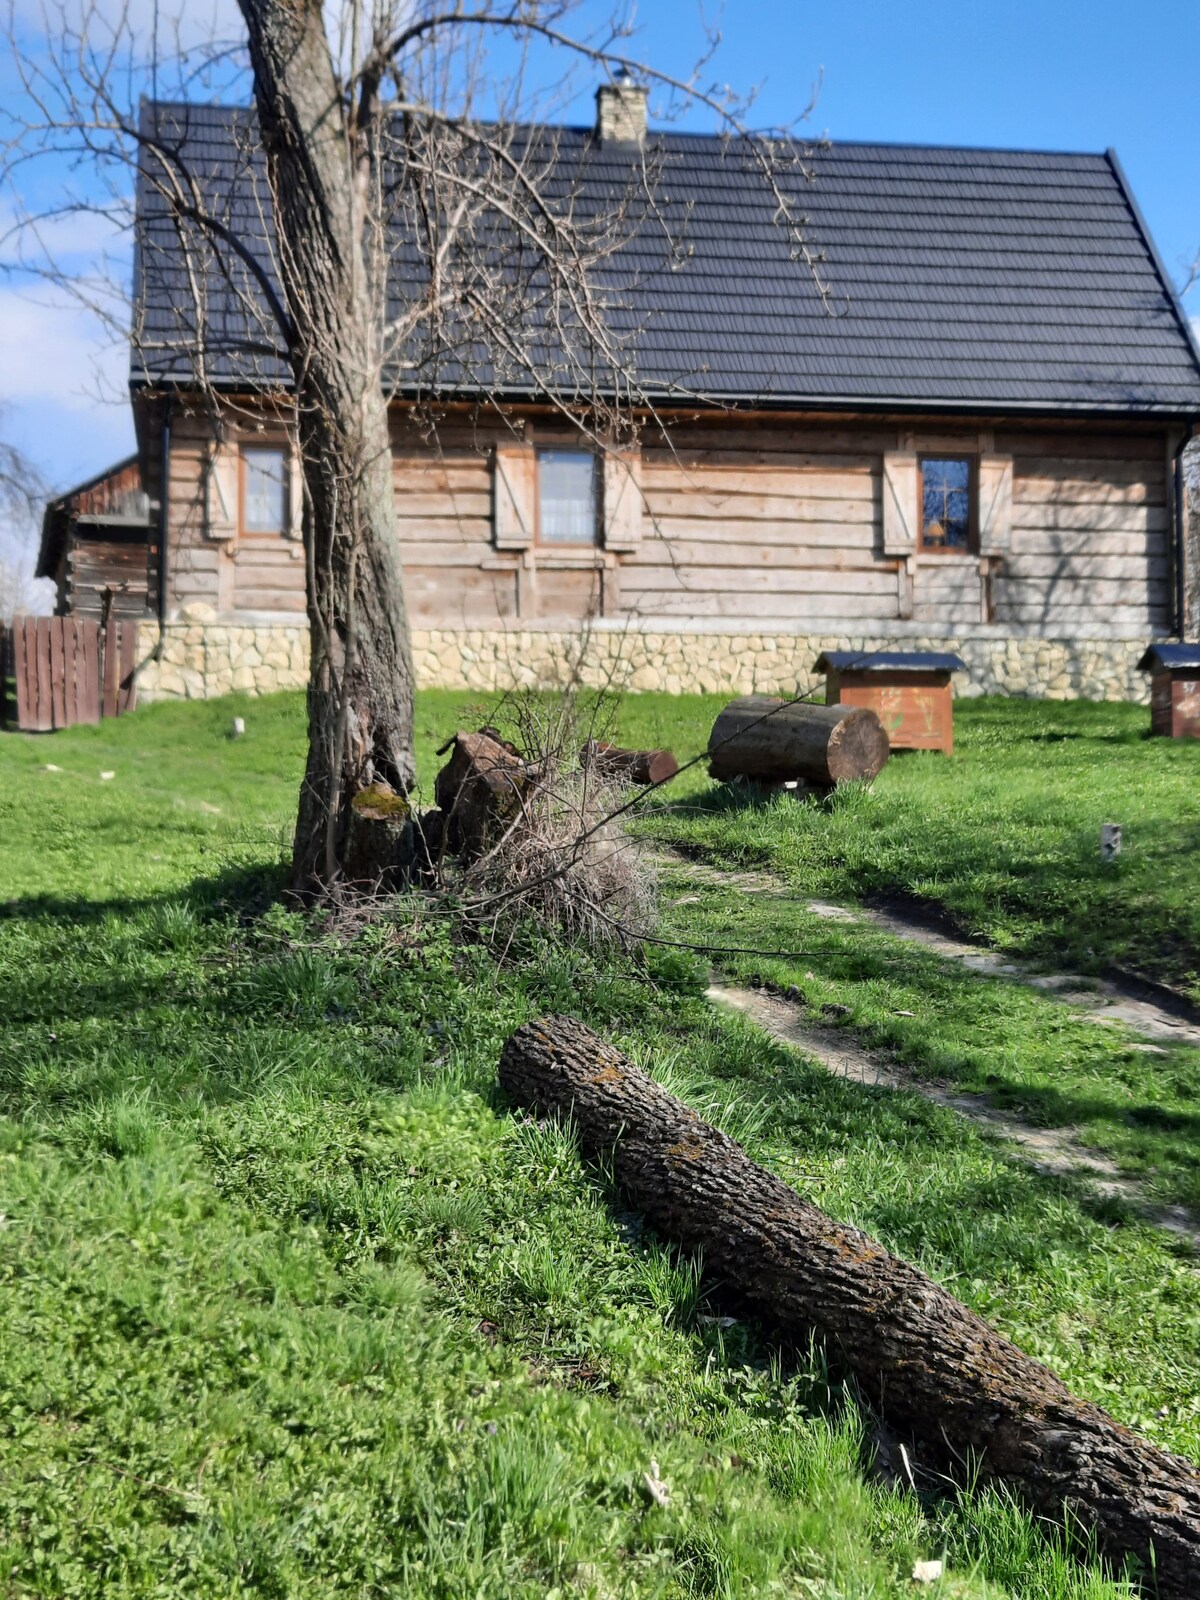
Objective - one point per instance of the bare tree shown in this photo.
(421, 229)
(23, 491)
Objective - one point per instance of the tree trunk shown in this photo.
(774, 741)
(629, 766)
(930, 1363)
(361, 679)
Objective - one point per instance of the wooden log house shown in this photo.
(971, 442)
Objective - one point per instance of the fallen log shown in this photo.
(779, 741)
(932, 1365)
(628, 766)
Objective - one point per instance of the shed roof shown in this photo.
(961, 279)
(1172, 657)
(113, 499)
(888, 661)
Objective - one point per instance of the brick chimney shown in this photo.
(621, 111)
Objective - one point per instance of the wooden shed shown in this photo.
(99, 546)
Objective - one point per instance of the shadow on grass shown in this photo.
(242, 891)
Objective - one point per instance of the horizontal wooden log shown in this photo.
(933, 1366)
(779, 741)
(856, 582)
(1139, 519)
(781, 500)
(721, 472)
(685, 605)
(629, 766)
(1079, 541)
(743, 532)
(829, 537)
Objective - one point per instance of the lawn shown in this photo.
(292, 1304)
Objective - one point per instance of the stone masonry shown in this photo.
(201, 658)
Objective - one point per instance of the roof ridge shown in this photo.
(821, 141)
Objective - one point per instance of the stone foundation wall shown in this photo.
(201, 659)
(204, 658)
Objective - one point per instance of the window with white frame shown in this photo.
(567, 497)
(264, 490)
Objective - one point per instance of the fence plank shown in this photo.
(43, 677)
(71, 669)
(112, 668)
(128, 694)
(21, 671)
(80, 669)
(90, 670)
(58, 674)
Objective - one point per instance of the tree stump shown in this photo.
(479, 790)
(930, 1363)
(377, 840)
(628, 766)
(779, 741)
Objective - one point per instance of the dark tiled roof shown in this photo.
(958, 278)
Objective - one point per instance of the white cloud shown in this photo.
(56, 350)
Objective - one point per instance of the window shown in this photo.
(264, 491)
(566, 496)
(947, 503)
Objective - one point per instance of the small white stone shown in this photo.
(105, 776)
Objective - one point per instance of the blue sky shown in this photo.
(1057, 74)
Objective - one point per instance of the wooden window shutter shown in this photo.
(514, 495)
(622, 500)
(995, 504)
(221, 511)
(901, 513)
(295, 497)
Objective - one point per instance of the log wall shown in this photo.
(753, 524)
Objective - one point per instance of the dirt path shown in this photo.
(1105, 1001)
(1050, 1150)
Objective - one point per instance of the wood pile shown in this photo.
(933, 1366)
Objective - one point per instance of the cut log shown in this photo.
(932, 1365)
(780, 741)
(628, 766)
(479, 790)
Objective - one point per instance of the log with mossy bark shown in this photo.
(775, 741)
(928, 1362)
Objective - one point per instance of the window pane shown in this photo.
(946, 505)
(265, 488)
(567, 496)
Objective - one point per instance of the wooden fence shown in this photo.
(68, 670)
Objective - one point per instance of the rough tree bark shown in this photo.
(773, 741)
(321, 161)
(931, 1364)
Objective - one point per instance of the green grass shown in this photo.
(1003, 835)
(291, 1303)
